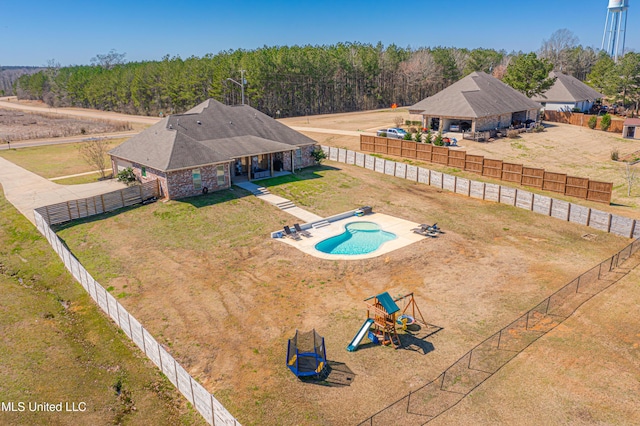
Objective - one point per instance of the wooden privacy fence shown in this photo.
(542, 204)
(496, 169)
(207, 405)
(580, 119)
(85, 207)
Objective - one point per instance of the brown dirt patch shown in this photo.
(204, 278)
(22, 125)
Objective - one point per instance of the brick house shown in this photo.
(210, 147)
(477, 102)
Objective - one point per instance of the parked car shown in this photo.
(394, 133)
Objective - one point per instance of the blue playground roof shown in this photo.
(387, 303)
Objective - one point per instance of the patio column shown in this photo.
(248, 165)
(293, 167)
(271, 163)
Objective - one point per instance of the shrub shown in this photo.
(605, 123)
(593, 121)
(427, 136)
(615, 154)
(539, 128)
(513, 134)
(407, 122)
(418, 137)
(127, 176)
(383, 134)
(318, 154)
(413, 129)
(437, 141)
(408, 136)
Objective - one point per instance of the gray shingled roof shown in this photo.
(476, 95)
(567, 89)
(207, 134)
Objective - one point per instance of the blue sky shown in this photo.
(72, 32)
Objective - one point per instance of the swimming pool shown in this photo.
(358, 238)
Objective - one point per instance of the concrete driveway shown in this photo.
(28, 191)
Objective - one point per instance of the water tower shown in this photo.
(615, 28)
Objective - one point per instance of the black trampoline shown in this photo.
(306, 355)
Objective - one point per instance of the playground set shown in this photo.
(306, 352)
(384, 314)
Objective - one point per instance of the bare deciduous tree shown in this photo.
(630, 176)
(108, 60)
(94, 152)
(556, 49)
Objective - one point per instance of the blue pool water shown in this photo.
(358, 238)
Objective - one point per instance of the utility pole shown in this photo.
(241, 84)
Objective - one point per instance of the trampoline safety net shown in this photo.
(306, 354)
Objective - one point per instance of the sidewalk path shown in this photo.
(288, 206)
(28, 191)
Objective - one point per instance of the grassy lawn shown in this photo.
(52, 161)
(207, 281)
(76, 180)
(57, 346)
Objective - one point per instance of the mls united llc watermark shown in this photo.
(21, 406)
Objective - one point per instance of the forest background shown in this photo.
(284, 81)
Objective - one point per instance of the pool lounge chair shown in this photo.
(431, 228)
(301, 231)
(425, 232)
(291, 234)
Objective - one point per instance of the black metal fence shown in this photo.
(473, 368)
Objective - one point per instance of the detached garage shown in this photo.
(478, 102)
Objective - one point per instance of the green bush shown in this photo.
(437, 141)
(127, 176)
(383, 134)
(427, 136)
(319, 155)
(593, 121)
(418, 137)
(605, 123)
(408, 136)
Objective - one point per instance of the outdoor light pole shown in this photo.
(240, 84)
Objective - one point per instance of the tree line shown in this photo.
(286, 81)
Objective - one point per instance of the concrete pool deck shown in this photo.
(400, 227)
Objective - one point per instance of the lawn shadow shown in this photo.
(335, 374)
(95, 218)
(308, 173)
(236, 192)
(213, 198)
(414, 338)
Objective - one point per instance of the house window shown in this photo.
(197, 179)
(144, 172)
(298, 155)
(220, 174)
